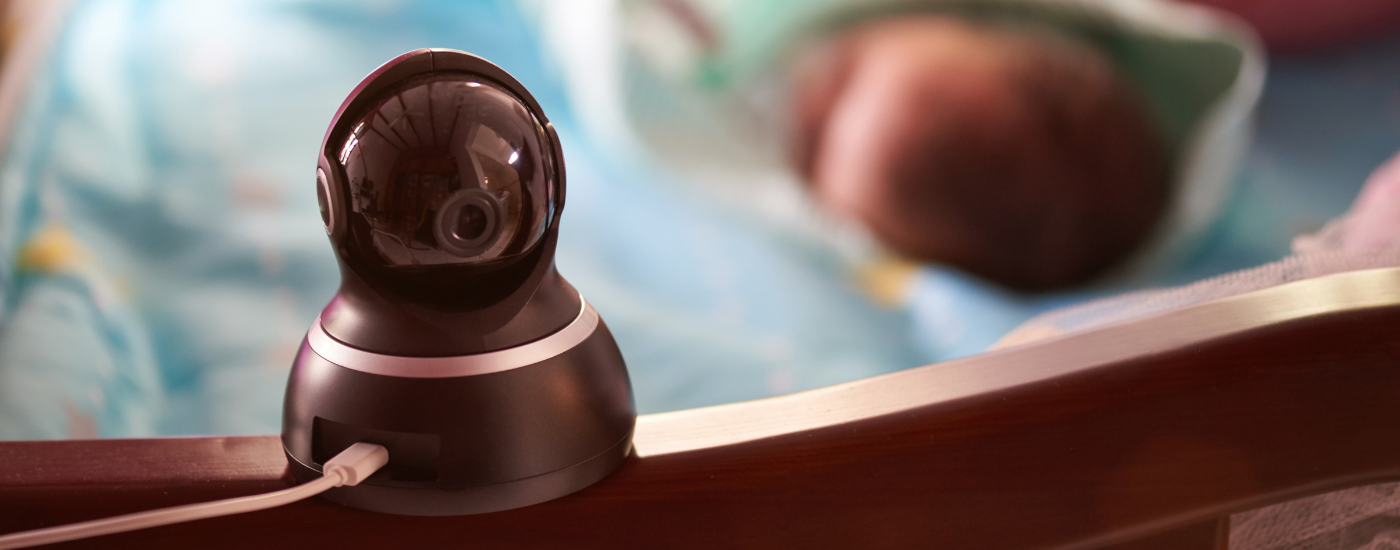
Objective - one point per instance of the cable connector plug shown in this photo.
(356, 463)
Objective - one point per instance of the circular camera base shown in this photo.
(418, 501)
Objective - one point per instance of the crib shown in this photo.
(1142, 434)
(1148, 433)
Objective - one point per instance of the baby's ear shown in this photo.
(1373, 222)
(817, 77)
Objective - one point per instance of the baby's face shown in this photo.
(1015, 155)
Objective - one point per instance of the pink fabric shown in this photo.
(1375, 216)
(1372, 224)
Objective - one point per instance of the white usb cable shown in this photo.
(350, 467)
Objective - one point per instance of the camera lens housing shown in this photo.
(447, 168)
(452, 341)
(468, 224)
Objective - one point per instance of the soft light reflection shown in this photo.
(350, 143)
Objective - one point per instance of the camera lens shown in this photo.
(471, 223)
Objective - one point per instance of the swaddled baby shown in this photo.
(1019, 155)
(1037, 145)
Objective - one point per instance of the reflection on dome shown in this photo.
(448, 170)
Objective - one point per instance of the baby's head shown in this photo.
(1016, 155)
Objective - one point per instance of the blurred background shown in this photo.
(161, 255)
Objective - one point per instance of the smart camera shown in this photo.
(452, 340)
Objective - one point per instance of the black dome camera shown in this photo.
(452, 341)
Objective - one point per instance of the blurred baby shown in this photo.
(1035, 144)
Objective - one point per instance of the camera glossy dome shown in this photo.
(445, 168)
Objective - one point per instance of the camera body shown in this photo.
(452, 341)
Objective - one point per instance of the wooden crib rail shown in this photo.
(1144, 434)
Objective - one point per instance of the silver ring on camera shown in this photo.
(523, 355)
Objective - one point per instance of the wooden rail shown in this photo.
(1140, 435)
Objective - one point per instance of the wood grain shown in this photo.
(1070, 443)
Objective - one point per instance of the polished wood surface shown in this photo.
(1141, 435)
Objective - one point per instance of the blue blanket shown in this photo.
(161, 255)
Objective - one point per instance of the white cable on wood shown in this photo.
(347, 468)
